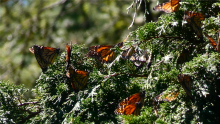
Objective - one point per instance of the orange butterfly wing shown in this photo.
(169, 97)
(133, 99)
(171, 6)
(77, 78)
(195, 19)
(212, 42)
(49, 54)
(44, 55)
(131, 105)
(129, 109)
(103, 52)
(68, 55)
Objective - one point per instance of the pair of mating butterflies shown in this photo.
(46, 56)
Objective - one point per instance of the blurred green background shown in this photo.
(54, 23)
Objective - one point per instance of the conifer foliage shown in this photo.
(108, 84)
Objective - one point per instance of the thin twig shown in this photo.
(159, 37)
(136, 7)
(31, 114)
(53, 5)
(133, 75)
(27, 103)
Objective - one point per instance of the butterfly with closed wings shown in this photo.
(68, 55)
(186, 82)
(44, 55)
(77, 78)
(194, 19)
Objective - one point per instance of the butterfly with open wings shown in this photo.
(131, 105)
(168, 7)
(104, 53)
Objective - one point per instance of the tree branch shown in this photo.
(27, 103)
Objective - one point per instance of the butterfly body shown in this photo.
(168, 7)
(131, 105)
(68, 55)
(44, 55)
(103, 52)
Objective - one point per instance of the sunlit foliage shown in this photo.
(108, 84)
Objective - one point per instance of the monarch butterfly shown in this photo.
(128, 53)
(169, 97)
(168, 7)
(44, 55)
(186, 82)
(103, 52)
(212, 42)
(195, 19)
(184, 56)
(131, 105)
(77, 78)
(68, 55)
